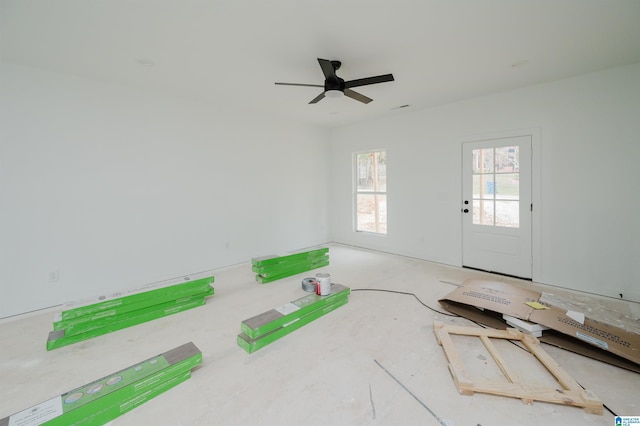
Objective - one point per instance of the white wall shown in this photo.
(116, 188)
(586, 181)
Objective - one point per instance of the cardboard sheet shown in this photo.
(584, 319)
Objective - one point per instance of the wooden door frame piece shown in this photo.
(570, 393)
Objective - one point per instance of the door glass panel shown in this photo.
(482, 212)
(507, 186)
(483, 186)
(483, 160)
(475, 190)
(507, 159)
(508, 213)
(496, 186)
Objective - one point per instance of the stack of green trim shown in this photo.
(273, 267)
(103, 400)
(114, 313)
(266, 328)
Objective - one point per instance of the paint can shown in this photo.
(324, 284)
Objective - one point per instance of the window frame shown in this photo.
(357, 192)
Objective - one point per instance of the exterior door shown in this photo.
(496, 205)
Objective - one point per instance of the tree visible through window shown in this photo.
(371, 191)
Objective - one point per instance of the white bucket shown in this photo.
(324, 284)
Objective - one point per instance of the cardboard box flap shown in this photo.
(551, 337)
(496, 296)
(605, 324)
(614, 313)
(607, 337)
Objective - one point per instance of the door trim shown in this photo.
(536, 175)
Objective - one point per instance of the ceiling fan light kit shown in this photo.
(335, 87)
(334, 93)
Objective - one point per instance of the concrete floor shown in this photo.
(374, 361)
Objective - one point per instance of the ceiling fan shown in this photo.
(335, 87)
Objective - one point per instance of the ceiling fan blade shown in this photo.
(327, 68)
(317, 98)
(357, 96)
(300, 84)
(369, 80)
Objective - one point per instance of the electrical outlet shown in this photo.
(54, 276)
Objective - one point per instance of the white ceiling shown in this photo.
(232, 51)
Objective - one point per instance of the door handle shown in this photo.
(466, 210)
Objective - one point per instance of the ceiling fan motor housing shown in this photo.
(334, 84)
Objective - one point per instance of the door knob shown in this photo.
(466, 210)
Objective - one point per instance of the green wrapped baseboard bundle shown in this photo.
(269, 326)
(103, 400)
(273, 267)
(139, 297)
(82, 321)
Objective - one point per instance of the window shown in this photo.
(496, 186)
(371, 192)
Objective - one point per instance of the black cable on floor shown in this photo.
(408, 294)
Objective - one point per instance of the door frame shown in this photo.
(536, 222)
